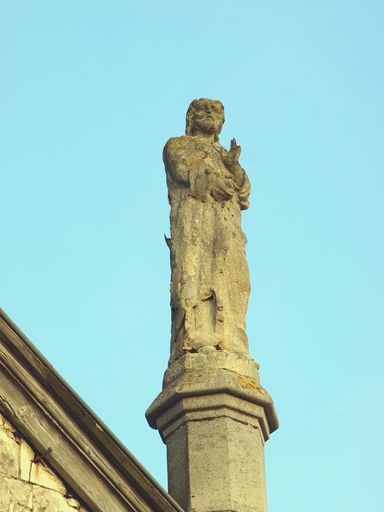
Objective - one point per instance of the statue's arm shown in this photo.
(242, 185)
(175, 161)
(244, 191)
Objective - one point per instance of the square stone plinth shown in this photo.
(217, 465)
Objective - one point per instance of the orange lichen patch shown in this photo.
(192, 161)
(247, 383)
(189, 378)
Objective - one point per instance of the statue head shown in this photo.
(205, 116)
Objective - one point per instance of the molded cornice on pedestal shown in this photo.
(203, 393)
(203, 383)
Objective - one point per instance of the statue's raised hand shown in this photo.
(231, 157)
(234, 152)
(231, 162)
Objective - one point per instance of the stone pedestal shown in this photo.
(215, 417)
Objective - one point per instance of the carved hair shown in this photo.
(193, 107)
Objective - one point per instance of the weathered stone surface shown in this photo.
(42, 475)
(15, 495)
(199, 388)
(26, 457)
(27, 483)
(212, 360)
(207, 189)
(45, 500)
(20, 496)
(38, 472)
(9, 449)
(226, 468)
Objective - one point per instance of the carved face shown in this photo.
(208, 117)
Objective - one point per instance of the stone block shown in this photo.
(42, 475)
(20, 496)
(47, 499)
(26, 457)
(15, 495)
(26, 482)
(9, 449)
(242, 364)
(224, 469)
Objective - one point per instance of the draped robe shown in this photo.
(210, 280)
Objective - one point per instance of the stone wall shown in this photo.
(27, 484)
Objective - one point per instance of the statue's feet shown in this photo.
(204, 343)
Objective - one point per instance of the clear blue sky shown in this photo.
(90, 91)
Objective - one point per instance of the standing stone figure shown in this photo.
(207, 189)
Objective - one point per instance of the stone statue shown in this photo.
(207, 189)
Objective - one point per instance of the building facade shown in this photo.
(55, 454)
